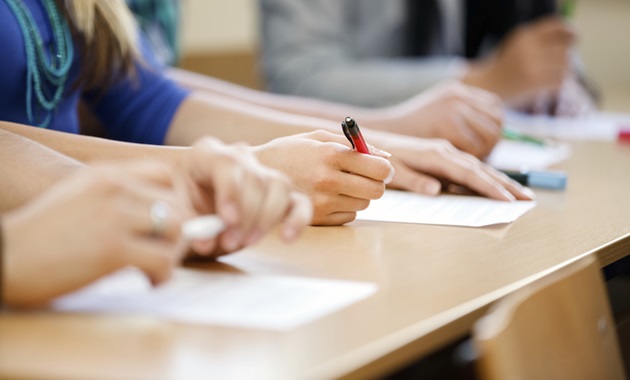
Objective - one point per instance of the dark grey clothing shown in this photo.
(379, 52)
(351, 51)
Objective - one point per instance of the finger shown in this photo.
(411, 180)
(486, 131)
(463, 138)
(338, 218)
(252, 203)
(490, 182)
(491, 107)
(353, 185)
(368, 166)
(345, 203)
(211, 165)
(226, 185)
(154, 257)
(299, 216)
(272, 209)
(484, 99)
(463, 169)
(204, 247)
(467, 137)
(477, 179)
(379, 152)
(231, 240)
(515, 188)
(138, 203)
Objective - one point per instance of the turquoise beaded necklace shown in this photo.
(46, 74)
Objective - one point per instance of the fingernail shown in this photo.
(432, 188)
(379, 152)
(390, 176)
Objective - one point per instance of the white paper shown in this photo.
(601, 126)
(518, 155)
(449, 210)
(266, 302)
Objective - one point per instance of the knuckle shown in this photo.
(105, 181)
(320, 203)
(280, 179)
(444, 147)
(320, 134)
(470, 172)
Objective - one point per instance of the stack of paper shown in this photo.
(449, 210)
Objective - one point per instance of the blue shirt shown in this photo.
(136, 111)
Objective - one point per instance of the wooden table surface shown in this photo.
(434, 282)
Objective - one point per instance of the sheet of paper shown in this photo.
(449, 210)
(265, 302)
(601, 126)
(518, 155)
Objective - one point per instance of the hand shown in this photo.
(469, 117)
(89, 225)
(338, 180)
(250, 197)
(574, 100)
(422, 165)
(534, 57)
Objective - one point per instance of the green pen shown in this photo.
(567, 8)
(516, 136)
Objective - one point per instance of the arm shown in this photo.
(28, 168)
(88, 149)
(419, 163)
(88, 225)
(1, 267)
(310, 49)
(535, 69)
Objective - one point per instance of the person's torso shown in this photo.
(13, 72)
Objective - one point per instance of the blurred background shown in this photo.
(220, 38)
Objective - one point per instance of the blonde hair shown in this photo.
(108, 32)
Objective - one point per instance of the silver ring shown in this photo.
(159, 217)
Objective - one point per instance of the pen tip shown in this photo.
(349, 121)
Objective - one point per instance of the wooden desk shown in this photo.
(433, 283)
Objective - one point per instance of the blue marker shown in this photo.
(553, 180)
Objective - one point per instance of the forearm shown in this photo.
(233, 120)
(1, 267)
(88, 149)
(28, 168)
(286, 103)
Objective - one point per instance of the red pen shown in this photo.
(350, 128)
(624, 133)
